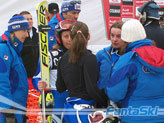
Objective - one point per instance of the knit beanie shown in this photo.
(53, 7)
(70, 6)
(132, 30)
(17, 23)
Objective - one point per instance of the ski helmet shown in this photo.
(60, 27)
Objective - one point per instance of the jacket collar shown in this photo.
(17, 45)
(55, 19)
(137, 44)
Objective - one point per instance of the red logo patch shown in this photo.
(15, 44)
(51, 38)
(5, 57)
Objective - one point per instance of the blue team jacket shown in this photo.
(13, 76)
(105, 62)
(51, 34)
(137, 81)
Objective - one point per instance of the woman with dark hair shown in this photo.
(108, 56)
(62, 34)
(137, 77)
(78, 73)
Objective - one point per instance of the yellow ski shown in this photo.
(43, 39)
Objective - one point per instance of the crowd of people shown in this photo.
(127, 75)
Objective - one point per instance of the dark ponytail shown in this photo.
(79, 34)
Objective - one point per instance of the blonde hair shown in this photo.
(12, 36)
(79, 34)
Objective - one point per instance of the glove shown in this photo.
(49, 100)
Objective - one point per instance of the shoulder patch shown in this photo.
(4, 37)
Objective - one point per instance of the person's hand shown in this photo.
(42, 85)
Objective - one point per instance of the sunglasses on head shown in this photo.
(66, 24)
(73, 2)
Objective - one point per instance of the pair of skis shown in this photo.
(44, 58)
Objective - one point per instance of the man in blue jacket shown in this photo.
(13, 76)
(137, 82)
(69, 10)
(53, 10)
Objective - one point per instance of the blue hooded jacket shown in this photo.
(105, 60)
(13, 76)
(137, 81)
